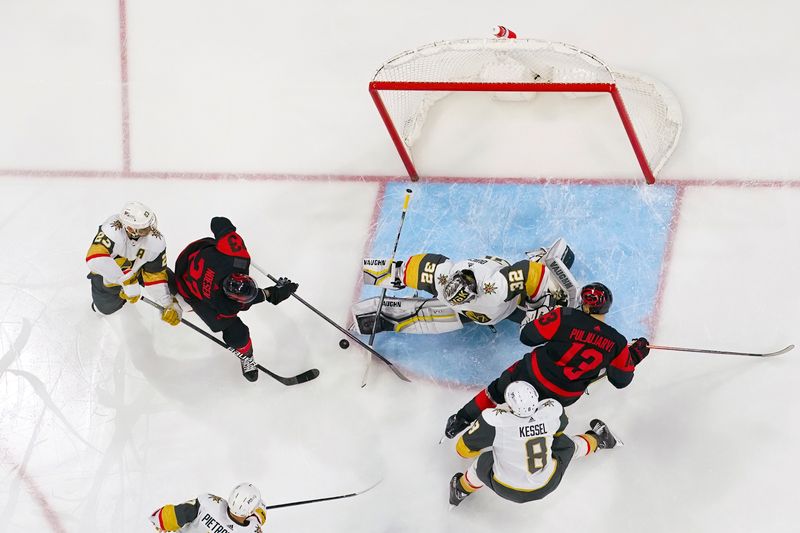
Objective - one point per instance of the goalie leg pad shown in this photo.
(405, 315)
(561, 250)
(559, 259)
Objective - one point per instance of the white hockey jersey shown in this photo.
(523, 457)
(205, 514)
(120, 259)
(501, 287)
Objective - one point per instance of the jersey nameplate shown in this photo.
(532, 431)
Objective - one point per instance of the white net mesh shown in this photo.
(654, 112)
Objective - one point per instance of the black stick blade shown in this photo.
(308, 375)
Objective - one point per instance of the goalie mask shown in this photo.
(461, 288)
(137, 219)
(240, 288)
(597, 298)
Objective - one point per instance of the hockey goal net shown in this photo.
(406, 87)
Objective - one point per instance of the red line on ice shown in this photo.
(266, 176)
(33, 489)
(124, 100)
(665, 262)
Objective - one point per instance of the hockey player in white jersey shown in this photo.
(522, 450)
(243, 512)
(129, 252)
(484, 291)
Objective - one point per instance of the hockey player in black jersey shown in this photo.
(572, 347)
(212, 276)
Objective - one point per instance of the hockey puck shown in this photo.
(344, 344)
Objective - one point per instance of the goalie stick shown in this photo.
(308, 375)
(409, 192)
(304, 502)
(337, 326)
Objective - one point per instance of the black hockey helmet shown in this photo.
(597, 298)
(240, 288)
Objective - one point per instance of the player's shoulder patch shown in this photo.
(569, 311)
(548, 410)
(495, 415)
(210, 497)
(156, 245)
(112, 228)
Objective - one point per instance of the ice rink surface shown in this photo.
(259, 111)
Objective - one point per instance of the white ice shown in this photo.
(102, 420)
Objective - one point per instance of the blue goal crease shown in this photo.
(618, 233)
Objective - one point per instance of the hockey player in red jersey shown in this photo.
(572, 347)
(212, 276)
(243, 512)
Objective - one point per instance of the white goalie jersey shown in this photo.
(480, 290)
(499, 287)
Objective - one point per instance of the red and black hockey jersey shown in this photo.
(571, 349)
(203, 265)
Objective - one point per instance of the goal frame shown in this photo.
(375, 87)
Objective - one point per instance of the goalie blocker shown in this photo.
(484, 291)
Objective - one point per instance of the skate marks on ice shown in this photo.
(618, 233)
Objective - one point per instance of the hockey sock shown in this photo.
(584, 445)
(469, 481)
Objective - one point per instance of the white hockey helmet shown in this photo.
(461, 288)
(137, 219)
(244, 500)
(522, 398)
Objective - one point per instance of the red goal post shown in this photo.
(408, 85)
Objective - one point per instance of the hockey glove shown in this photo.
(282, 290)
(172, 313)
(131, 293)
(639, 349)
(455, 425)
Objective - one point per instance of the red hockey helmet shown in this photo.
(240, 288)
(597, 298)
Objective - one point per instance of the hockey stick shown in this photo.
(308, 375)
(304, 502)
(723, 352)
(340, 328)
(407, 199)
